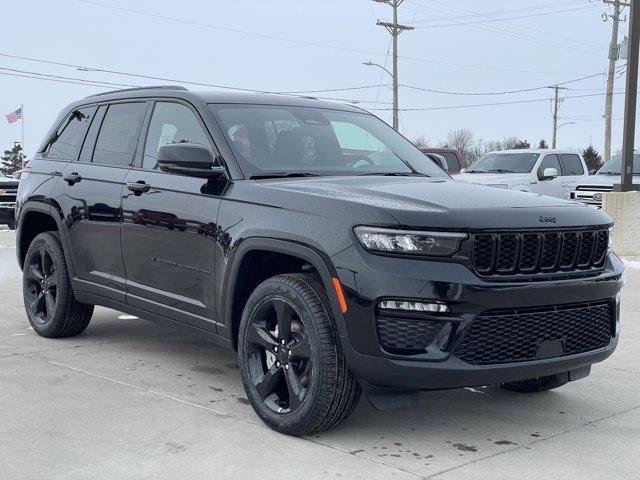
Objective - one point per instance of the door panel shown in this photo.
(169, 225)
(92, 216)
(168, 239)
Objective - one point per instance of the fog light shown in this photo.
(413, 306)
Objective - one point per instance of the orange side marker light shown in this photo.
(341, 300)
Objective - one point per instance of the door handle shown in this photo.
(139, 187)
(72, 178)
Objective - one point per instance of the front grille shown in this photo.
(521, 335)
(539, 252)
(590, 194)
(406, 335)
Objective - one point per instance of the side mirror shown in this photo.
(188, 159)
(592, 172)
(548, 174)
(463, 170)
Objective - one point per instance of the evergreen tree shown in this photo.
(592, 158)
(522, 145)
(543, 144)
(12, 159)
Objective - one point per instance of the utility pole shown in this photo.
(613, 56)
(630, 102)
(556, 106)
(395, 29)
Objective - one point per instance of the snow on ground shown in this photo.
(632, 263)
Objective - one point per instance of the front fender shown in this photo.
(319, 260)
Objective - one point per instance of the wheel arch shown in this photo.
(34, 219)
(232, 299)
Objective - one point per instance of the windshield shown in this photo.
(504, 163)
(279, 140)
(614, 166)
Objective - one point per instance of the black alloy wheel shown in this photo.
(41, 286)
(49, 302)
(279, 356)
(290, 357)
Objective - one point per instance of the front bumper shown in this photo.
(7, 210)
(367, 279)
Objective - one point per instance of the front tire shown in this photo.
(292, 366)
(51, 307)
(11, 224)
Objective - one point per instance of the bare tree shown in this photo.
(462, 140)
(421, 142)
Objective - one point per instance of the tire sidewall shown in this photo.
(305, 414)
(49, 242)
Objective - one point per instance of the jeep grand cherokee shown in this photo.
(303, 235)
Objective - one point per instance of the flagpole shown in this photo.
(22, 126)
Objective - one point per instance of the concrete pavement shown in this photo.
(130, 399)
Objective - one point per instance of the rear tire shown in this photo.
(303, 385)
(533, 385)
(51, 307)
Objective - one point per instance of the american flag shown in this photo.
(14, 116)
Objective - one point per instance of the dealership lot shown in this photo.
(132, 399)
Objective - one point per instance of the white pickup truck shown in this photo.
(590, 190)
(547, 172)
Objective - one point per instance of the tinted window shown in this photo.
(571, 164)
(276, 139)
(453, 165)
(118, 135)
(171, 123)
(505, 163)
(90, 139)
(65, 143)
(550, 161)
(614, 167)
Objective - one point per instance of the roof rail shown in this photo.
(158, 87)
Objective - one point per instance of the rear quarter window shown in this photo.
(65, 143)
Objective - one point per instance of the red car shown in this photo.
(453, 158)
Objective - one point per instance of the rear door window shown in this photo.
(571, 164)
(119, 134)
(65, 143)
(90, 140)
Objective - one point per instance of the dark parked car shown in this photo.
(454, 160)
(8, 191)
(315, 249)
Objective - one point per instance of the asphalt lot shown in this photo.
(129, 399)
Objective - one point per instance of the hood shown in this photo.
(604, 180)
(435, 203)
(492, 178)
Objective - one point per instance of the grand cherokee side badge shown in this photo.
(548, 219)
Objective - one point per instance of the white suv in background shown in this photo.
(547, 172)
(591, 190)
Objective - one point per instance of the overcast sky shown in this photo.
(294, 45)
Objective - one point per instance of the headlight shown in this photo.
(438, 244)
(497, 185)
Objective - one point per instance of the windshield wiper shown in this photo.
(610, 173)
(263, 176)
(499, 170)
(396, 174)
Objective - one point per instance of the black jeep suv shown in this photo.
(318, 243)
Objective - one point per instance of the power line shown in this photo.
(322, 45)
(505, 92)
(503, 32)
(516, 10)
(86, 84)
(110, 84)
(501, 20)
(515, 102)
